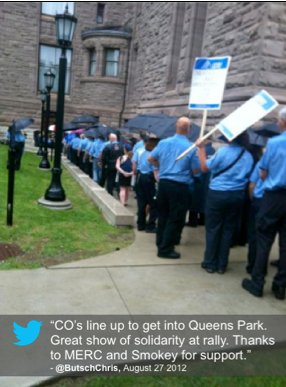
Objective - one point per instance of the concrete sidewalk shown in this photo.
(132, 282)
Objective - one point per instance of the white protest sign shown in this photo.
(242, 118)
(247, 115)
(208, 83)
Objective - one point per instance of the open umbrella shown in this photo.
(254, 139)
(71, 126)
(161, 125)
(268, 130)
(105, 131)
(22, 123)
(92, 133)
(78, 131)
(87, 119)
(170, 130)
(149, 122)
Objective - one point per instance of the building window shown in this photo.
(111, 62)
(49, 59)
(92, 62)
(100, 13)
(56, 7)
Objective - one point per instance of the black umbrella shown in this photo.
(22, 123)
(105, 131)
(256, 139)
(92, 133)
(71, 126)
(87, 119)
(149, 122)
(268, 130)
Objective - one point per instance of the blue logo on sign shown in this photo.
(211, 64)
(265, 100)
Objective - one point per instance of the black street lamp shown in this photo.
(43, 97)
(65, 24)
(49, 83)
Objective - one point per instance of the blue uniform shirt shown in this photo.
(70, 137)
(75, 143)
(167, 152)
(145, 166)
(103, 146)
(83, 144)
(19, 137)
(274, 162)
(95, 149)
(137, 156)
(89, 146)
(236, 178)
(259, 184)
(139, 145)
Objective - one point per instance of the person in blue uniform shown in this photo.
(256, 192)
(140, 144)
(230, 171)
(136, 159)
(198, 195)
(19, 145)
(69, 139)
(84, 141)
(75, 143)
(271, 218)
(146, 189)
(94, 157)
(173, 189)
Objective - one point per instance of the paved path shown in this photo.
(135, 281)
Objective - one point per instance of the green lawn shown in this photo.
(51, 237)
(158, 381)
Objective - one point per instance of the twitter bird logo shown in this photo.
(27, 335)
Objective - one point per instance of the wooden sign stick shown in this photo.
(194, 146)
(205, 116)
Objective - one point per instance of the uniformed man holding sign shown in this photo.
(272, 215)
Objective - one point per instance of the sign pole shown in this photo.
(205, 116)
(205, 137)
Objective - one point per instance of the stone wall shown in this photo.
(272, 74)
(167, 40)
(168, 36)
(22, 29)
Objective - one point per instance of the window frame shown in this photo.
(111, 61)
(49, 15)
(103, 5)
(39, 66)
(91, 51)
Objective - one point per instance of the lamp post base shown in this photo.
(45, 164)
(55, 192)
(57, 206)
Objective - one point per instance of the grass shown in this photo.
(51, 237)
(181, 381)
(268, 361)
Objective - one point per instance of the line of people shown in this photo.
(235, 171)
(103, 161)
(164, 190)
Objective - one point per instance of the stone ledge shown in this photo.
(113, 211)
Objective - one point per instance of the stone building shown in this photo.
(129, 58)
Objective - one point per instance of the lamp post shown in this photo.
(43, 97)
(49, 82)
(65, 25)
